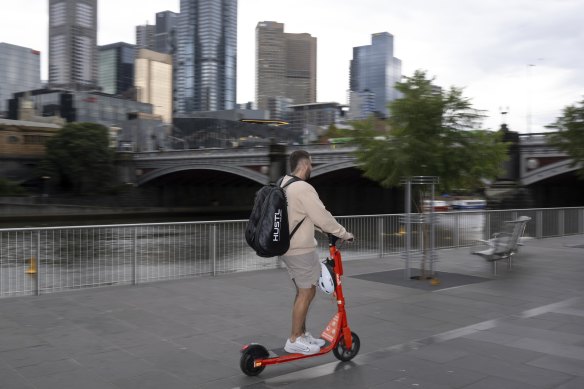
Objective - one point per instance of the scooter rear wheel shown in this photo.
(246, 362)
(345, 354)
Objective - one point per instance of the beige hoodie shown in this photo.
(303, 202)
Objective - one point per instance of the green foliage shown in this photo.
(431, 133)
(10, 188)
(570, 135)
(80, 159)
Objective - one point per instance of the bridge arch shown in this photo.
(331, 167)
(236, 170)
(548, 171)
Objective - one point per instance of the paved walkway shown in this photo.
(520, 329)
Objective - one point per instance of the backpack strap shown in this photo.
(279, 183)
(296, 228)
(294, 179)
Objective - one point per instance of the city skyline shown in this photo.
(485, 47)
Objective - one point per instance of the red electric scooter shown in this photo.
(343, 343)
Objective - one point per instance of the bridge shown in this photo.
(537, 161)
(216, 176)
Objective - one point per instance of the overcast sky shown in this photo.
(484, 46)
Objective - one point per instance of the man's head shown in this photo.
(301, 164)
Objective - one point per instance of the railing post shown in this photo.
(37, 279)
(581, 221)
(135, 257)
(380, 237)
(539, 224)
(457, 230)
(561, 227)
(213, 247)
(488, 225)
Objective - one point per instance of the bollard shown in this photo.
(32, 269)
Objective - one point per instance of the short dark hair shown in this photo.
(296, 157)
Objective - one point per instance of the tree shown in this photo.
(79, 157)
(570, 135)
(431, 133)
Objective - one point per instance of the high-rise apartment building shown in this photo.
(165, 39)
(20, 70)
(116, 68)
(153, 81)
(73, 44)
(375, 70)
(206, 56)
(285, 65)
(145, 37)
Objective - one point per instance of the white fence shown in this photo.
(51, 259)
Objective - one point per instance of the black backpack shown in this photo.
(267, 230)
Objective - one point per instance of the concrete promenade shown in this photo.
(523, 328)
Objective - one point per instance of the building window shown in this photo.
(13, 139)
(35, 139)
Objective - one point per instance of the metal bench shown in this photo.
(503, 245)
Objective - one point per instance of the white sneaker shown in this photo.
(301, 346)
(319, 342)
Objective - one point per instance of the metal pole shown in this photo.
(37, 281)
(561, 227)
(213, 247)
(380, 228)
(408, 226)
(135, 257)
(539, 224)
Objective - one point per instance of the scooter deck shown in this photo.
(278, 352)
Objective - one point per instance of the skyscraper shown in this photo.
(285, 65)
(116, 68)
(375, 70)
(153, 81)
(206, 74)
(145, 37)
(21, 71)
(165, 31)
(73, 44)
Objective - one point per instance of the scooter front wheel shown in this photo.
(248, 356)
(345, 354)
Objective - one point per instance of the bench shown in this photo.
(503, 245)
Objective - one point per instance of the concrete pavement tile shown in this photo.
(513, 371)
(31, 355)
(549, 347)
(409, 366)
(72, 380)
(48, 368)
(112, 365)
(499, 352)
(498, 383)
(154, 379)
(564, 365)
(538, 333)
(492, 337)
(439, 353)
(576, 383)
(355, 377)
(10, 379)
(17, 341)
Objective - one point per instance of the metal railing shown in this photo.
(50, 259)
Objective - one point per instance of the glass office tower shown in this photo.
(285, 65)
(116, 68)
(206, 74)
(73, 44)
(20, 70)
(165, 32)
(375, 70)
